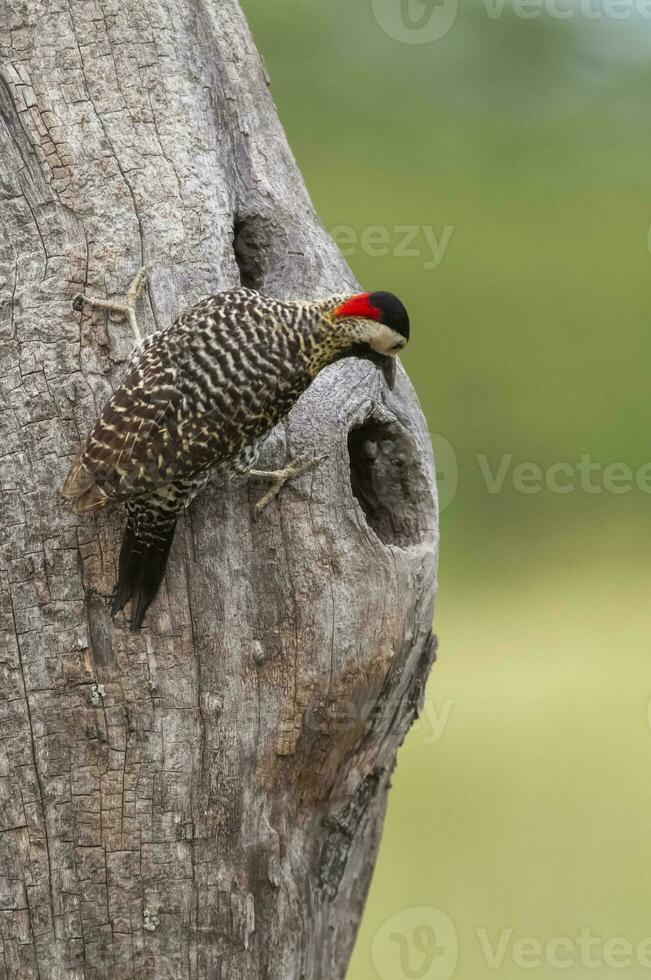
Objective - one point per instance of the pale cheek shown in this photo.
(382, 345)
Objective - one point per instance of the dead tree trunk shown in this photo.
(202, 799)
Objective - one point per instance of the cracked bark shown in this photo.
(204, 798)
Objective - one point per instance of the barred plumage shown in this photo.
(201, 394)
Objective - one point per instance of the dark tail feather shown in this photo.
(140, 571)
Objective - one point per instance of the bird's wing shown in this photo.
(130, 446)
(152, 431)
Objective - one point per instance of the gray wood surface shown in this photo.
(203, 798)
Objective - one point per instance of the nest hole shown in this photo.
(388, 482)
(248, 248)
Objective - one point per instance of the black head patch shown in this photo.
(394, 315)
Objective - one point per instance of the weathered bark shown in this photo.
(203, 798)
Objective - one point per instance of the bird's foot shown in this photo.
(280, 477)
(125, 308)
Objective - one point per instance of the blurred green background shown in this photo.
(522, 799)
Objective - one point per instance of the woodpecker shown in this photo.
(201, 395)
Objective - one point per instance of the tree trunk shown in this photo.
(204, 798)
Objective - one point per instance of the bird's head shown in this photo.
(376, 326)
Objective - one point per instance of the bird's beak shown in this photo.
(387, 366)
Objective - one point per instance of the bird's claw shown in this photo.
(125, 308)
(280, 477)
